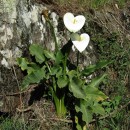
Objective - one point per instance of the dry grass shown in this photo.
(79, 6)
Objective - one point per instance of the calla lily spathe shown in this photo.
(73, 24)
(82, 43)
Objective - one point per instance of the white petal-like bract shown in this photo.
(73, 24)
(82, 43)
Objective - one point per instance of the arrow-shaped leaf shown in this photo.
(34, 77)
(75, 87)
(92, 68)
(37, 51)
(49, 55)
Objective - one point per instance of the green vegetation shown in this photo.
(117, 84)
(13, 124)
(64, 83)
(52, 69)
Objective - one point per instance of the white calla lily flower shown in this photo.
(73, 24)
(82, 43)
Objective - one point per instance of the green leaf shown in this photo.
(86, 111)
(59, 57)
(59, 104)
(87, 114)
(92, 91)
(59, 72)
(75, 37)
(37, 51)
(95, 94)
(23, 63)
(75, 87)
(78, 126)
(62, 81)
(34, 77)
(92, 68)
(49, 54)
(54, 70)
(72, 74)
(32, 67)
(96, 81)
(98, 109)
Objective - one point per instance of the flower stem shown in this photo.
(64, 64)
(48, 67)
(77, 58)
(78, 54)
